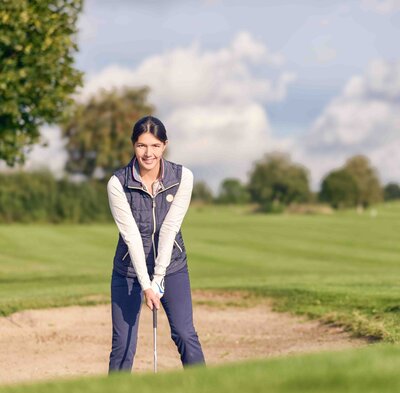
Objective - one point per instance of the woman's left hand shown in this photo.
(152, 300)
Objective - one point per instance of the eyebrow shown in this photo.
(140, 143)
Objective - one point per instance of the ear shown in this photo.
(165, 144)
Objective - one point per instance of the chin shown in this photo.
(149, 165)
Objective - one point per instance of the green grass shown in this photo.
(342, 268)
(367, 370)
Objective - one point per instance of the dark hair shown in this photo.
(149, 124)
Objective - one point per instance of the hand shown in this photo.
(157, 285)
(152, 300)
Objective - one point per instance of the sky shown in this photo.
(234, 80)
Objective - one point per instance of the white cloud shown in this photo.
(219, 134)
(212, 102)
(364, 119)
(190, 75)
(53, 156)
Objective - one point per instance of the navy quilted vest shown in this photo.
(149, 213)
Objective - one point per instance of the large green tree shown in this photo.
(98, 131)
(339, 189)
(366, 177)
(37, 77)
(275, 181)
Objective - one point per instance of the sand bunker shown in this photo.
(75, 341)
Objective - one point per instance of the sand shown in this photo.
(75, 341)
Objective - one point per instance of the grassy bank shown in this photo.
(368, 370)
(342, 267)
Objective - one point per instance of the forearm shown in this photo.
(172, 222)
(128, 229)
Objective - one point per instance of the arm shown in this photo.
(171, 225)
(128, 229)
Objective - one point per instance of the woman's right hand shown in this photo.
(152, 300)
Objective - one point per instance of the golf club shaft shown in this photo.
(155, 337)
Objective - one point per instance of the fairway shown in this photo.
(342, 267)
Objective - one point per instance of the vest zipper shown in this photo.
(154, 213)
(154, 227)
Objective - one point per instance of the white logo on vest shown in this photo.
(169, 197)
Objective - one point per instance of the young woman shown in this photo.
(149, 199)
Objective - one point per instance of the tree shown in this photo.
(391, 191)
(339, 189)
(275, 181)
(366, 177)
(99, 130)
(37, 44)
(201, 192)
(233, 191)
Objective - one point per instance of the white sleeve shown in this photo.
(173, 221)
(128, 229)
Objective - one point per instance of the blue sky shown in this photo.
(233, 80)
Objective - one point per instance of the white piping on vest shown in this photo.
(125, 255)
(178, 245)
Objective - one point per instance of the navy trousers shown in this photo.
(126, 301)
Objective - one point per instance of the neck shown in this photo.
(151, 174)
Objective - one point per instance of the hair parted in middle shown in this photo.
(149, 124)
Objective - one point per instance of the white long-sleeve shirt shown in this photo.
(130, 233)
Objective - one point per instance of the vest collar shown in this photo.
(136, 170)
(133, 179)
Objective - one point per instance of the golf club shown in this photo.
(155, 337)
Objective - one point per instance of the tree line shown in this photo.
(39, 197)
(275, 182)
(97, 143)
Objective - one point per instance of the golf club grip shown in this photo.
(154, 317)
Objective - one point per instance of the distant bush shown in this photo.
(391, 191)
(202, 192)
(39, 197)
(355, 184)
(232, 191)
(339, 189)
(275, 182)
(367, 180)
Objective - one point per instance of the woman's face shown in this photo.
(149, 150)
